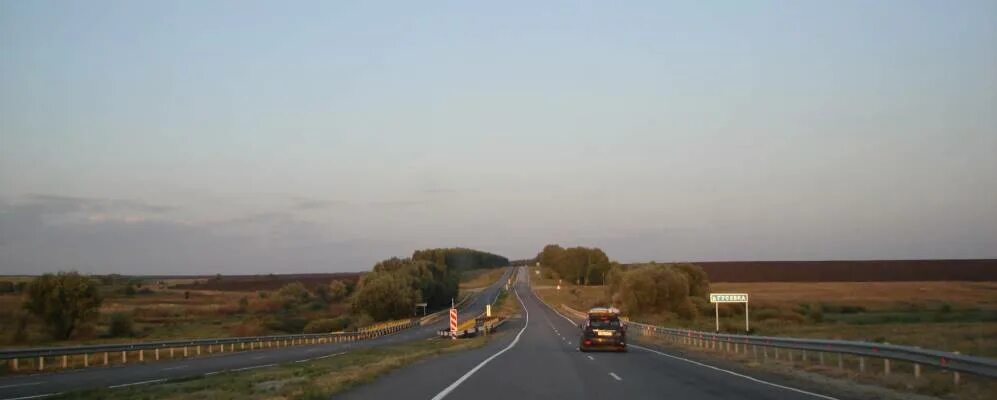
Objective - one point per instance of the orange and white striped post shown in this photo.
(453, 320)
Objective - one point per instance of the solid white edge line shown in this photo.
(137, 383)
(37, 396)
(617, 377)
(21, 384)
(457, 383)
(735, 373)
(750, 378)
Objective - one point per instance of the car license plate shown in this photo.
(604, 333)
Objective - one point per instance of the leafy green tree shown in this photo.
(121, 325)
(385, 295)
(337, 291)
(63, 301)
(293, 294)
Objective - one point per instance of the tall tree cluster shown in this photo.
(656, 288)
(395, 285)
(581, 265)
(461, 259)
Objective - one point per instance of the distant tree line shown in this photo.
(579, 265)
(461, 259)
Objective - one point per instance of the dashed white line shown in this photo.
(212, 373)
(716, 368)
(735, 373)
(331, 355)
(137, 383)
(590, 358)
(259, 357)
(22, 384)
(37, 396)
(617, 377)
(253, 367)
(302, 361)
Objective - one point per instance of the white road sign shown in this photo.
(728, 297)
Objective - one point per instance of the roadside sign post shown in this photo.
(423, 307)
(453, 321)
(717, 298)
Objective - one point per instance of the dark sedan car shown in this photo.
(603, 330)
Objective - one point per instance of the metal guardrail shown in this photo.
(252, 342)
(981, 366)
(263, 341)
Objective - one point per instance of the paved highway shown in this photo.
(537, 358)
(13, 387)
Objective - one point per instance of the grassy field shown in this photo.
(317, 379)
(161, 311)
(951, 316)
(194, 307)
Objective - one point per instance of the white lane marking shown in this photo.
(173, 368)
(456, 383)
(253, 367)
(37, 396)
(22, 384)
(569, 342)
(136, 383)
(259, 357)
(735, 373)
(716, 368)
(212, 373)
(590, 358)
(617, 377)
(331, 355)
(305, 360)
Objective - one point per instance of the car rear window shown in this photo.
(604, 322)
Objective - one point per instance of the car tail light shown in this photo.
(588, 342)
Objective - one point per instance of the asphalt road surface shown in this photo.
(37, 385)
(537, 358)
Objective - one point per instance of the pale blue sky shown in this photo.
(254, 137)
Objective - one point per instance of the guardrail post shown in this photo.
(41, 363)
(886, 366)
(242, 345)
(861, 364)
(141, 355)
(210, 349)
(14, 365)
(105, 358)
(776, 350)
(820, 355)
(171, 353)
(790, 352)
(917, 371)
(841, 362)
(804, 356)
(65, 361)
(124, 357)
(185, 352)
(157, 354)
(955, 374)
(86, 360)
(198, 350)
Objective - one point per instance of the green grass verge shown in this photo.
(318, 379)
